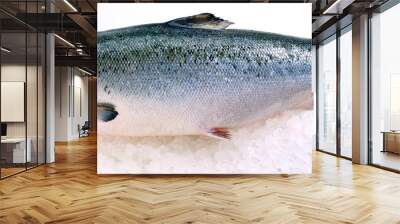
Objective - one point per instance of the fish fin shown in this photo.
(106, 112)
(220, 133)
(202, 21)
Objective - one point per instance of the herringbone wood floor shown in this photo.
(70, 191)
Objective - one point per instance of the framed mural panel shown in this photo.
(204, 89)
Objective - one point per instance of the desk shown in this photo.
(391, 141)
(17, 150)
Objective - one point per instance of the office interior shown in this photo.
(28, 45)
(48, 81)
(335, 60)
(45, 96)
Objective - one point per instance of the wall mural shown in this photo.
(192, 95)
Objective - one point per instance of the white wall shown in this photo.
(70, 83)
(79, 117)
(61, 103)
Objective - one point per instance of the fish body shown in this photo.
(191, 77)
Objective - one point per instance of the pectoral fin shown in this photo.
(106, 112)
(220, 133)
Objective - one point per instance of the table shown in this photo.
(18, 150)
(391, 141)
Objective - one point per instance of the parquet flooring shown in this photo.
(70, 191)
(10, 171)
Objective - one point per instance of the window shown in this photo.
(327, 96)
(385, 89)
(346, 92)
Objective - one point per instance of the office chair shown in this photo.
(84, 130)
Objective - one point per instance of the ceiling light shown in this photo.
(5, 50)
(79, 51)
(64, 40)
(338, 6)
(84, 71)
(70, 5)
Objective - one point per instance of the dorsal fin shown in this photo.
(203, 21)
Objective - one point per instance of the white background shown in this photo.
(289, 19)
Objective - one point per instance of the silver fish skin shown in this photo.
(167, 80)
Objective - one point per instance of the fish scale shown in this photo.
(197, 78)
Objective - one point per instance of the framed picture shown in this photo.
(204, 88)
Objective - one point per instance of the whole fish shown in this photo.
(192, 76)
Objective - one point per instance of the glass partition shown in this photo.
(385, 89)
(327, 95)
(33, 72)
(22, 77)
(13, 109)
